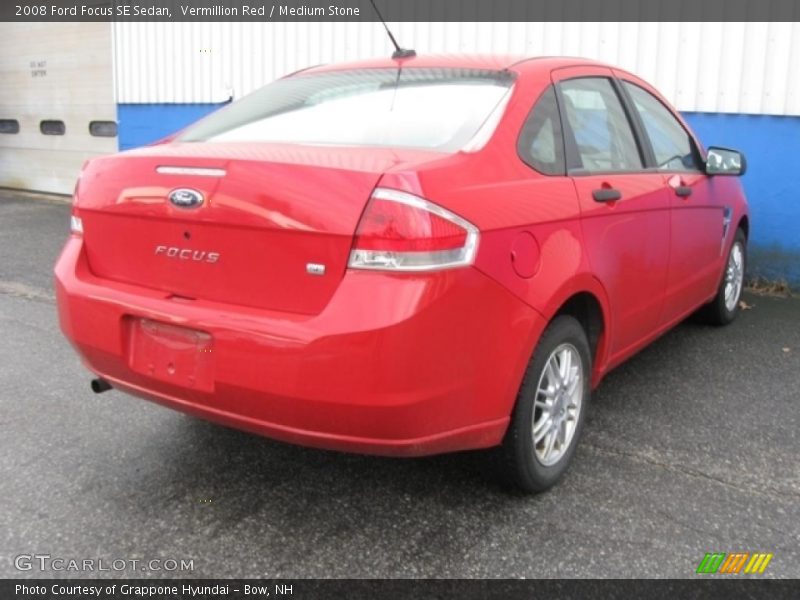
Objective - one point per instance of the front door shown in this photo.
(696, 221)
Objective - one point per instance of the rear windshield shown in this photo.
(437, 109)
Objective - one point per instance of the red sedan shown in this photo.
(405, 257)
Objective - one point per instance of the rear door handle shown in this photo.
(684, 191)
(606, 195)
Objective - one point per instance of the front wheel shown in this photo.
(550, 409)
(725, 305)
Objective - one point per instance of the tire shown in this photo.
(520, 462)
(722, 310)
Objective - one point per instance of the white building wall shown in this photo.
(61, 72)
(711, 67)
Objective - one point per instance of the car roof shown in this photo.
(496, 62)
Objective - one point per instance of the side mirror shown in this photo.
(724, 161)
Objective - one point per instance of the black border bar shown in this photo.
(399, 10)
(727, 588)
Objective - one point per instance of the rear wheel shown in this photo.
(550, 409)
(725, 305)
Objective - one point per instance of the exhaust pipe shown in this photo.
(100, 385)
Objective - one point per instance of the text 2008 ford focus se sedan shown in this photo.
(405, 257)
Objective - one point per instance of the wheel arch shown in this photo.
(744, 225)
(585, 299)
(586, 309)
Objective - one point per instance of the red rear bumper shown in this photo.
(398, 365)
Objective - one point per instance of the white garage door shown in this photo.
(57, 105)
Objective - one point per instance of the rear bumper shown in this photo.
(394, 365)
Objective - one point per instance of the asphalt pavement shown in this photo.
(690, 447)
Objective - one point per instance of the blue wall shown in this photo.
(141, 124)
(772, 183)
(770, 143)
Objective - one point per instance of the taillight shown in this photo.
(76, 225)
(402, 232)
(75, 222)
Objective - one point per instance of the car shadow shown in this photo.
(205, 463)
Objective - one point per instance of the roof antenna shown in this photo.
(399, 52)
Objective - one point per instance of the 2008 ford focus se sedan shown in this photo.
(405, 257)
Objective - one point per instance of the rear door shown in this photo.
(624, 207)
(696, 219)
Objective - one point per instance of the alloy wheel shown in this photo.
(557, 406)
(734, 276)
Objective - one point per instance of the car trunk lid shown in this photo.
(273, 230)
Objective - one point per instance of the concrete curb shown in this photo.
(40, 196)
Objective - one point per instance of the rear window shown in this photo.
(437, 109)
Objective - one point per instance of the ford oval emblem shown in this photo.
(186, 198)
